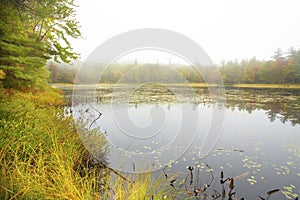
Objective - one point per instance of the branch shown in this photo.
(41, 37)
(40, 31)
(99, 115)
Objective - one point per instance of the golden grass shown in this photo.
(39, 149)
(285, 86)
(143, 186)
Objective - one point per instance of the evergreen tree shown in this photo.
(31, 32)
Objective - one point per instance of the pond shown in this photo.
(155, 127)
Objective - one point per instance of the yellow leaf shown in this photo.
(2, 74)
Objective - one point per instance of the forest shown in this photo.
(283, 68)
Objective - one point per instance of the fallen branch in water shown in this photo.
(98, 116)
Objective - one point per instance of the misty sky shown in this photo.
(226, 30)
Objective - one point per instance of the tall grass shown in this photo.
(39, 148)
(42, 156)
(278, 86)
(140, 186)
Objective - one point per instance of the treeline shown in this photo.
(61, 73)
(283, 68)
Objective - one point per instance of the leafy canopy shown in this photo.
(31, 32)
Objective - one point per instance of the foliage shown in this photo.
(61, 74)
(282, 69)
(2, 74)
(31, 32)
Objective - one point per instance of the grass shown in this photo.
(39, 149)
(142, 186)
(42, 156)
(286, 86)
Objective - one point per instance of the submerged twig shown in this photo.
(166, 175)
(269, 193)
(212, 175)
(172, 183)
(191, 168)
(98, 116)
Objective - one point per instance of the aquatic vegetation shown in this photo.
(248, 154)
(289, 192)
(282, 104)
(294, 149)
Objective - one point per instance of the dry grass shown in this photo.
(42, 156)
(286, 86)
(39, 148)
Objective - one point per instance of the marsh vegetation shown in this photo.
(258, 148)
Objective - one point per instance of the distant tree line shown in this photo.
(60, 73)
(283, 68)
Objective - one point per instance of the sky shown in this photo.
(226, 30)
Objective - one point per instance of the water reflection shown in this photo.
(282, 104)
(259, 146)
(277, 104)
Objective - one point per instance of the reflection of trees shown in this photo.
(282, 104)
(278, 104)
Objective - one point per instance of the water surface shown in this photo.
(259, 144)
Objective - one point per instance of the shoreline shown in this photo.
(262, 86)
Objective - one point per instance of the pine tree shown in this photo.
(31, 32)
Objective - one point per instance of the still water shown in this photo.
(259, 144)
